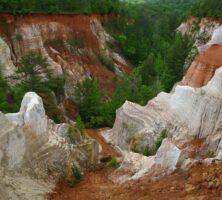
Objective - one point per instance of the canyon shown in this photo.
(189, 116)
(37, 157)
(72, 45)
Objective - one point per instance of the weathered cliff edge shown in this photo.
(207, 37)
(35, 152)
(190, 114)
(72, 45)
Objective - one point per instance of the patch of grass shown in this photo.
(80, 125)
(114, 163)
(163, 135)
(147, 151)
(210, 154)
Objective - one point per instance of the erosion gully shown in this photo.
(96, 185)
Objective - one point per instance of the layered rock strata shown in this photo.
(190, 115)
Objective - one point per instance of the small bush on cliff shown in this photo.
(163, 135)
(34, 74)
(147, 151)
(114, 163)
(210, 154)
(77, 175)
(90, 102)
(32, 70)
(106, 61)
(80, 125)
(4, 105)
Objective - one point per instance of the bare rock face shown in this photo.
(204, 67)
(31, 114)
(168, 156)
(7, 67)
(201, 31)
(190, 115)
(135, 166)
(208, 40)
(34, 152)
(187, 114)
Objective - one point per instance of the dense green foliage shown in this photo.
(148, 39)
(80, 125)
(114, 163)
(33, 74)
(58, 6)
(205, 8)
(4, 104)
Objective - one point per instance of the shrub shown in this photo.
(147, 151)
(114, 163)
(106, 61)
(80, 125)
(74, 135)
(210, 154)
(163, 135)
(77, 175)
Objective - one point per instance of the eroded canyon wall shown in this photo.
(35, 152)
(190, 115)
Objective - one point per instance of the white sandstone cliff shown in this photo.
(34, 152)
(191, 116)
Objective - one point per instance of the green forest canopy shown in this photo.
(203, 8)
(60, 6)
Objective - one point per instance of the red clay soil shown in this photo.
(212, 56)
(196, 148)
(71, 26)
(203, 68)
(107, 149)
(202, 183)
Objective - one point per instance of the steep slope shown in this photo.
(207, 36)
(72, 45)
(35, 152)
(190, 117)
(204, 67)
